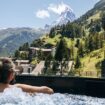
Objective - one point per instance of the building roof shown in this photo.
(25, 61)
(42, 49)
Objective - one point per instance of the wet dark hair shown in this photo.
(6, 67)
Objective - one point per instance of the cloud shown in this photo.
(42, 14)
(58, 9)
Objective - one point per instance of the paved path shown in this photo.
(70, 64)
(38, 69)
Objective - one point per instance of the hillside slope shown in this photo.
(92, 18)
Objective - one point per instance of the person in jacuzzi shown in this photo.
(7, 74)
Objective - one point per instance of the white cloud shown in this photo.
(42, 14)
(58, 9)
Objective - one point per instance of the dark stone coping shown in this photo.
(74, 85)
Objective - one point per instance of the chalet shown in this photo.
(35, 51)
(23, 66)
(19, 62)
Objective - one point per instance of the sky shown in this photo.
(37, 13)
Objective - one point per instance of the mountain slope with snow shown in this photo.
(65, 17)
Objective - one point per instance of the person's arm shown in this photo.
(32, 89)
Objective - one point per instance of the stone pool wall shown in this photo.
(75, 85)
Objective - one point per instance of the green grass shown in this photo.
(52, 41)
(89, 62)
(94, 17)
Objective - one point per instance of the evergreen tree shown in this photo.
(103, 62)
(71, 30)
(90, 44)
(103, 20)
(72, 52)
(78, 62)
(20, 48)
(39, 43)
(103, 23)
(84, 34)
(52, 32)
(98, 28)
(30, 55)
(47, 64)
(62, 53)
(40, 55)
(101, 41)
(17, 54)
(103, 67)
(81, 50)
(92, 30)
(35, 43)
(55, 66)
(77, 43)
(24, 56)
(26, 46)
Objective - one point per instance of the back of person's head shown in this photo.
(6, 67)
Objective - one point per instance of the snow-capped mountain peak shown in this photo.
(66, 16)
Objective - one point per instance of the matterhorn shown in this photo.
(66, 16)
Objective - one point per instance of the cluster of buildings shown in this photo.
(24, 66)
(33, 69)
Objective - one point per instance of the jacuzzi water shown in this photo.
(15, 96)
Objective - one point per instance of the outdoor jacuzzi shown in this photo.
(15, 96)
(68, 91)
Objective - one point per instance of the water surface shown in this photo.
(15, 96)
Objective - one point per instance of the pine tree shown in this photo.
(26, 46)
(83, 33)
(103, 62)
(52, 32)
(61, 50)
(30, 55)
(17, 54)
(40, 55)
(47, 64)
(78, 62)
(81, 50)
(62, 53)
(103, 20)
(72, 52)
(24, 56)
(103, 23)
(90, 44)
(77, 43)
(98, 28)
